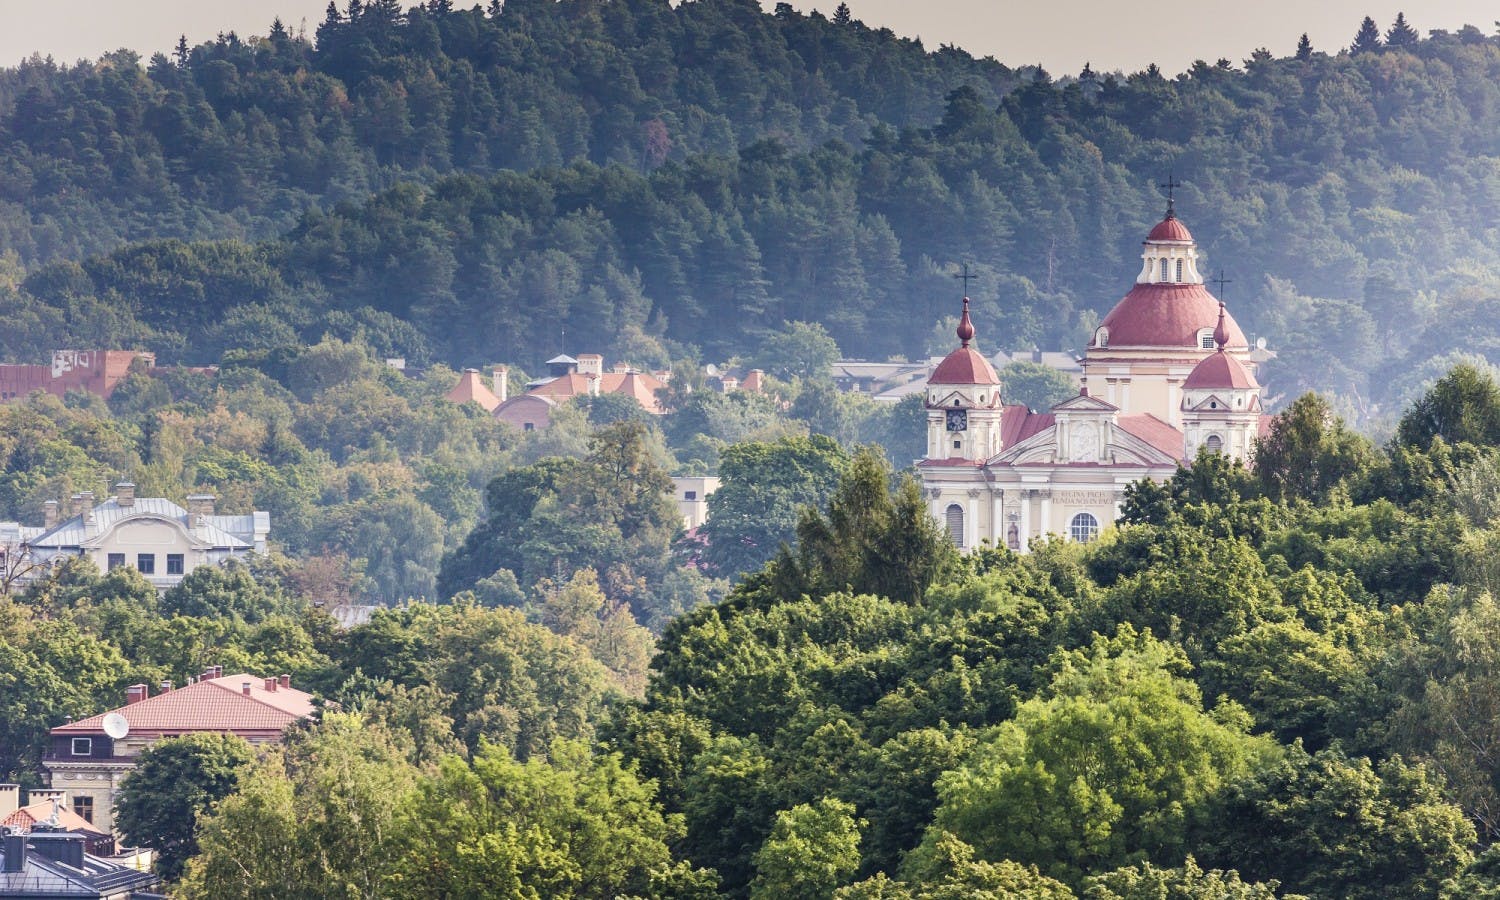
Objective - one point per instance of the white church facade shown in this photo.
(1167, 372)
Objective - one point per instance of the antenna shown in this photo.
(116, 726)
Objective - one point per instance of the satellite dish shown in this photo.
(116, 726)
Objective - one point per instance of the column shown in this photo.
(1025, 500)
(997, 518)
(971, 520)
(1046, 524)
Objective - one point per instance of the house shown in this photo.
(53, 863)
(94, 371)
(88, 759)
(1167, 373)
(47, 805)
(159, 538)
(472, 389)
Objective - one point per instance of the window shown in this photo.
(1179, 270)
(116, 560)
(1163, 270)
(84, 808)
(690, 495)
(958, 444)
(174, 563)
(1215, 444)
(1101, 337)
(1206, 339)
(1083, 528)
(83, 746)
(145, 563)
(955, 401)
(956, 524)
(529, 426)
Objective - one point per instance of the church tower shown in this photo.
(1220, 402)
(964, 414)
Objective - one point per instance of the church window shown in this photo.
(958, 445)
(1213, 404)
(1179, 270)
(1206, 339)
(955, 521)
(1083, 528)
(1214, 444)
(1101, 337)
(955, 401)
(1163, 270)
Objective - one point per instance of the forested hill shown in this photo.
(656, 181)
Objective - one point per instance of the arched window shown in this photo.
(1214, 444)
(1179, 270)
(1164, 269)
(1101, 338)
(1083, 528)
(955, 518)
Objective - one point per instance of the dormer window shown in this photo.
(1206, 339)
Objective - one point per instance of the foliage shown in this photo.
(175, 783)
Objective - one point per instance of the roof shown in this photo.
(219, 531)
(1170, 229)
(1221, 370)
(41, 876)
(640, 386)
(42, 810)
(211, 704)
(1167, 314)
(964, 366)
(472, 389)
(1155, 432)
(1020, 423)
(562, 359)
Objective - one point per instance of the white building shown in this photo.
(160, 539)
(1168, 371)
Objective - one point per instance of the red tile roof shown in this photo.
(1167, 314)
(964, 366)
(1155, 432)
(1020, 423)
(1170, 229)
(472, 389)
(214, 704)
(639, 385)
(1220, 371)
(29, 815)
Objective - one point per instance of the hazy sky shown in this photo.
(1060, 34)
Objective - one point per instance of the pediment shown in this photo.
(948, 398)
(1085, 403)
(148, 520)
(1205, 405)
(1121, 449)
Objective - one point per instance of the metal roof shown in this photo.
(231, 532)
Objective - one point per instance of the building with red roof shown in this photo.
(1168, 373)
(89, 758)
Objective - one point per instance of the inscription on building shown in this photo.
(1084, 498)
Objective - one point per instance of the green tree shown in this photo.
(813, 848)
(1464, 406)
(1401, 34)
(228, 590)
(1368, 37)
(1144, 881)
(174, 784)
(1309, 452)
(802, 350)
(1034, 385)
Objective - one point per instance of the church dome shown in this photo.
(1219, 372)
(1170, 229)
(964, 365)
(1167, 315)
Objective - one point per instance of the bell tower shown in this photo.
(964, 412)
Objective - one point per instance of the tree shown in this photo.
(212, 591)
(1401, 34)
(813, 848)
(1330, 826)
(174, 784)
(1044, 790)
(1304, 48)
(1464, 406)
(1309, 452)
(799, 350)
(763, 487)
(1144, 881)
(1368, 37)
(841, 15)
(1034, 385)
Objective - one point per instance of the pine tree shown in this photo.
(1304, 48)
(841, 16)
(181, 53)
(1368, 38)
(1401, 34)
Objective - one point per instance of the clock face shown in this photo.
(958, 420)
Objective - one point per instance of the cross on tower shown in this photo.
(965, 277)
(1220, 282)
(1171, 188)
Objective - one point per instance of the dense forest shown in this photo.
(662, 182)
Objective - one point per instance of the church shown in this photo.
(1166, 373)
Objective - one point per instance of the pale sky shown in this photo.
(1060, 34)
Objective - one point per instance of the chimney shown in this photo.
(245, 688)
(15, 851)
(46, 795)
(164, 687)
(286, 680)
(86, 506)
(135, 694)
(10, 800)
(50, 514)
(200, 505)
(500, 378)
(271, 683)
(590, 364)
(125, 494)
(62, 846)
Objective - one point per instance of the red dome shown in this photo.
(1219, 371)
(1167, 314)
(964, 366)
(1169, 229)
